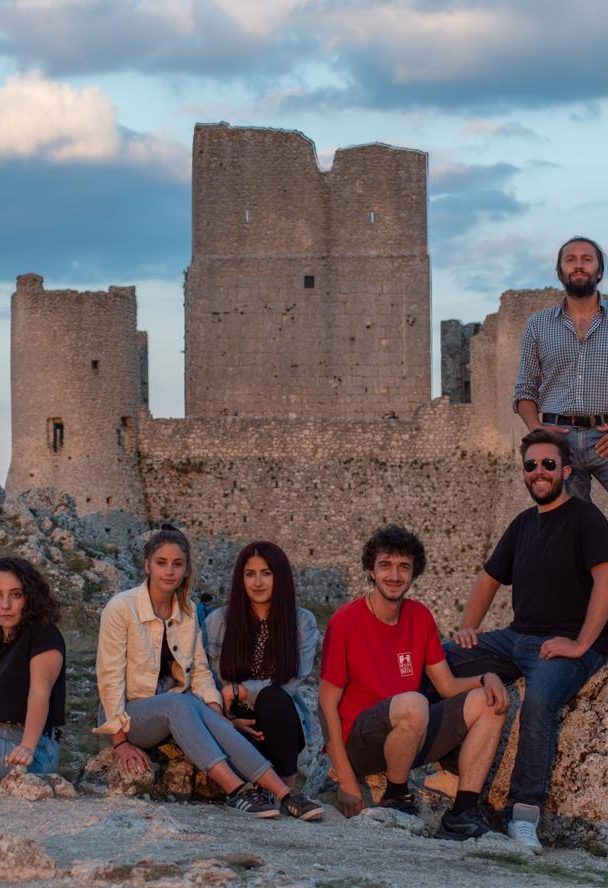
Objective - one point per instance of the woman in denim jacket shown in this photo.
(32, 670)
(262, 647)
(154, 682)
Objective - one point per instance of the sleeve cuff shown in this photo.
(120, 722)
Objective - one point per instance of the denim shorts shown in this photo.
(445, 731)
(46, 754)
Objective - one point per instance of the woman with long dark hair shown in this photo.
(32, 669)
(261, 648)
(154, 682)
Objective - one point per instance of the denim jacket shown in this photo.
(128, 655)
(308, 635)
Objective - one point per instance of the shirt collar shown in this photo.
(560, 308)
(145, 611)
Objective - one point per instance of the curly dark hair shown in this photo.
(394, 540)
(41, 606)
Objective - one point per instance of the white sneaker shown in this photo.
(522, 828)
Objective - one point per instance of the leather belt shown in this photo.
(583, 422)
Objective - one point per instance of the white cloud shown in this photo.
(58, 123)
(43, 117)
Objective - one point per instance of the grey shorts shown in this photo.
(445, 731)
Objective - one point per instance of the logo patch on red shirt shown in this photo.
(405, 664)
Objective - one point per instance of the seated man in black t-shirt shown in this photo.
(555, 556)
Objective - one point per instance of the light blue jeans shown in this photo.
(585, 462)
(46, 754)
(204, 736)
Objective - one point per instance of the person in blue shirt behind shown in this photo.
(261, 647)
(563, 372)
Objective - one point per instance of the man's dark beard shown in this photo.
(580, 289)
(548, 497)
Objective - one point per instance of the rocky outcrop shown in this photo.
(173, 777)
(18, 784)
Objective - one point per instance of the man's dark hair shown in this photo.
(579, 237)
(545, 436)
(394, 540)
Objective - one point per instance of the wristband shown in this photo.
(116, 745)
(235, 691)
(482, 680)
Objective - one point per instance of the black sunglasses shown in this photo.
(546, 462)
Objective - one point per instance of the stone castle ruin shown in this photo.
(307, 372)
(308, 419)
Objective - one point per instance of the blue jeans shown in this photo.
(549, 686)
(46, 754)
(585, 462)
(204, 736)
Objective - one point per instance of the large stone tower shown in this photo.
(308, 292)
(76, 362)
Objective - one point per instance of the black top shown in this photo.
(166, 657)
(15, 674)
(547, 557)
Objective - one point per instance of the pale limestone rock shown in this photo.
(104, 770)
(174, 775)
(61, 536)
(22, 859)
(19, 784)
(62, 788)
(109, 574)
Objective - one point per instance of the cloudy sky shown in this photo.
(98, 100)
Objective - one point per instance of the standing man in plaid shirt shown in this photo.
(563, 372)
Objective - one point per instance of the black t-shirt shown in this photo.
(547, 557)
(15, 674)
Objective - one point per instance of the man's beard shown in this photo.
(580, 289)
(549, 497)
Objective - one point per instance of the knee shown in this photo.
(176, 704)
(272, 699)
(537, 706)
(409, 710)
(476, 706)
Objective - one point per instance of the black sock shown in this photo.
(464, 801)
(395, 790)
(236, 791)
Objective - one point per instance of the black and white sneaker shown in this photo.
(249, 800)
(403, 803)
(297, 805)
(463, 826)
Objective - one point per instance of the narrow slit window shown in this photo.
(309, 281)
(372, 216)
(124, 433)
(55, 432)
(246, 216)
(94, 365)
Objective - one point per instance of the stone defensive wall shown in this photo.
(319, 489)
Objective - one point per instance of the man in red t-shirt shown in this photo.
(375, 653)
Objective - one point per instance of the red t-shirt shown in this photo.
(373, 661)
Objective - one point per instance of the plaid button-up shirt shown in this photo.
(559, 373)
